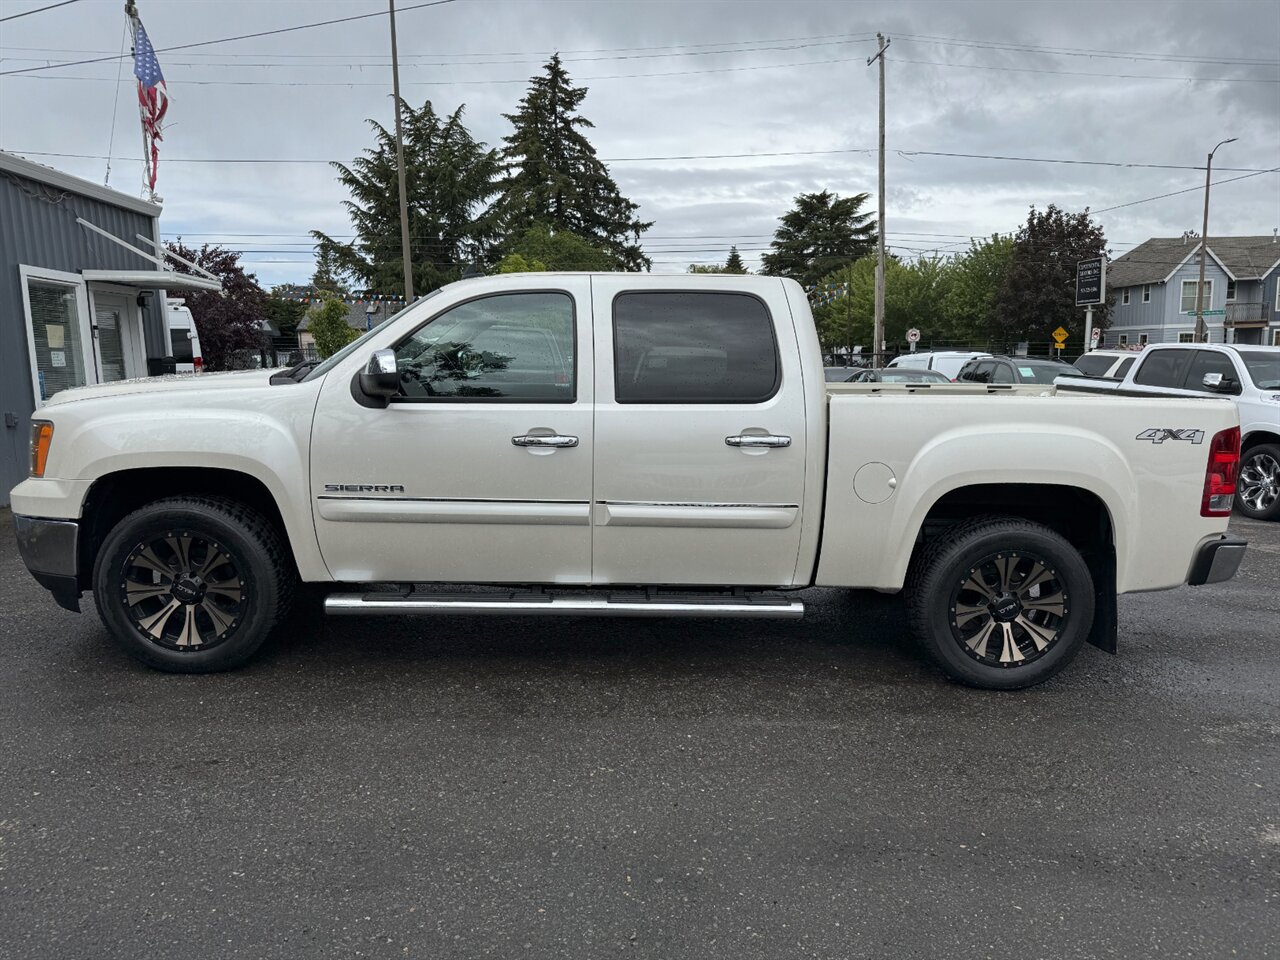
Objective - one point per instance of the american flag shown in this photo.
(153, 99)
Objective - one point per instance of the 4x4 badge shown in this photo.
(1161, 434)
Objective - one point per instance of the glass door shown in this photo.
(111, 337)
(61, 357)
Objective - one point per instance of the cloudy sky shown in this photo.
(1124, 83)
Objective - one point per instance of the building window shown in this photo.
(1142, 339)
(1275, 338)
(1146, 293)
(1124, 296)
(1124, 340)
(1231, 291)
(1278, 295)
(1188, 304)
(1186, 338)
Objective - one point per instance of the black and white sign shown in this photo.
(913, 335)
(1091, 282)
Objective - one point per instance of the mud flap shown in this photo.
(1106, 612)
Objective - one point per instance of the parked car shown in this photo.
(1107, 364)
(662, 446)
(840, 374)
(946, 362)
(1250, 375)
(1013, 370)
(899, 375)
(184, 340)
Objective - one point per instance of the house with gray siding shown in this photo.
(81, 295)
(1156, 283)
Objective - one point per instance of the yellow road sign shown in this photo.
(1060, 335)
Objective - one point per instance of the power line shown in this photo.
(1134, 203)
(246, 36)
(1083, 52)
(721, 156)
(1086, 73)
(27, 13)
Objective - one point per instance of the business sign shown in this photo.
(1091, 282)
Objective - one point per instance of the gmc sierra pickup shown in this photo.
(625, 445)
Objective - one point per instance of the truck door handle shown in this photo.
(748, 440)
(554, 440)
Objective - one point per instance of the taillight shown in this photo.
(41, 437)
(197, 363)
(1220, 474)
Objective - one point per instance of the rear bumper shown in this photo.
(50, 549)
(1216, 561)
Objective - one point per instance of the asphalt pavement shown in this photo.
(660, 789)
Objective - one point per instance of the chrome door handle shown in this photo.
(747, 440)
(555, 440)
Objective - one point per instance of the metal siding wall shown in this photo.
(38, 228)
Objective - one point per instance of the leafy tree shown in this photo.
(555, 250)
(822, 233)
(846, 311)
(554, 177)
(449, 179)
(327, 321)
(1038, 293)
(706, 268)
(734, 264)
(977, 277)
(229, 323)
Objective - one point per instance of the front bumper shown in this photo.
(50, 549)
(1216, 561)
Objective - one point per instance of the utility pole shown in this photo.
(877, 348)
(1202, 329)
(405, 252)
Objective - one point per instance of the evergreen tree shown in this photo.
(553, 176)
(734, 264)
(449, 179)
(822, 233)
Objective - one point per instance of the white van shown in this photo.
(946, 362)
(184, 341)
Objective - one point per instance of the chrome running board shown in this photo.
(546, 604)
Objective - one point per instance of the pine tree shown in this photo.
(822, 233)
(734, 264)
(449, 180)
(554, 178)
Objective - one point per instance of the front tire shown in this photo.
(193, 584)
(1000, 603)
(1258, 485)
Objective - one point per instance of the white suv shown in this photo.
(1248, 374)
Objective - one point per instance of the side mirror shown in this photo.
(380, 379)
(1218, 383)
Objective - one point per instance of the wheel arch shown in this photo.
(113, 496)
(1256, 437)
(1082, 517)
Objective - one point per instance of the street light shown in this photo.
(1202, 331)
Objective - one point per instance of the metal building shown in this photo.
(81, 294)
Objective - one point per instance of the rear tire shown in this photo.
(1000, 602)
(193, 584)
(1258, 485)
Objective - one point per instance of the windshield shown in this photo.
(1095, 365)
(358, 343)
(1263, 367)
(912, 376)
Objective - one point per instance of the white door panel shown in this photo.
(675, 503)
(452, 497)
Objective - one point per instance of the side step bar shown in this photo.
(536, 604)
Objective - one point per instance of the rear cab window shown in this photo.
(694, 347)
(1164, 368)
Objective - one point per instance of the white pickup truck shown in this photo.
(627, 445)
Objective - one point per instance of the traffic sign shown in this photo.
(1091, 282)
(913, 335)
(1215, 313)
(1060, 335)
(1094, 338)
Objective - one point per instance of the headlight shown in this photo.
(41, 438)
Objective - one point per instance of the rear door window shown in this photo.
(180, 343)
(1210, 361)
(695, 347)
(1164, 368)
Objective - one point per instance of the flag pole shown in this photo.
(131, 11)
